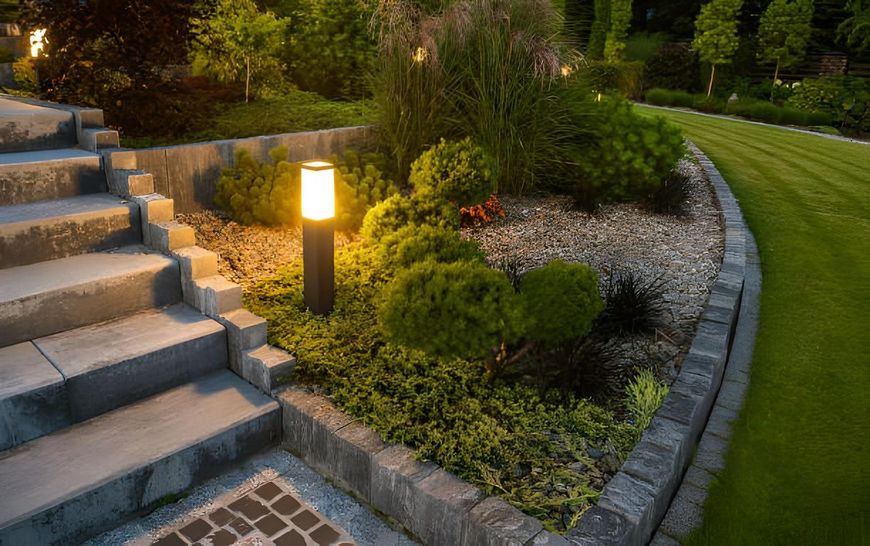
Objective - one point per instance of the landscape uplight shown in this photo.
(318, 229)
(37, 41)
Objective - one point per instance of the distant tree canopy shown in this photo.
(716, 38)
(784, 32)
(855, 30)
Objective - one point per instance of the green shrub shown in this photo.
(629, 158)
(457, 309)
(682, 99)
(24, 73)
(673, 66)
(845, 98)
(269, 194)
(359, 186)
(560, 302)
(791, 116)
(711, 105)
(6, 55)
(764, 111)
(329, 50)
(458, 171)
(818, 118)
(644, 395)
(253, 193)
(399, 211)
(739, 107)
(412, 244)
(658, 97)
(625, 78)
(488, 70)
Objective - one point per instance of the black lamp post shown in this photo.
(318, 228)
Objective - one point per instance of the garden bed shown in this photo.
(547, 451)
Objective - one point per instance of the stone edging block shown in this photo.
(635, 501)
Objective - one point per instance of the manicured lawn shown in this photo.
(798, 469)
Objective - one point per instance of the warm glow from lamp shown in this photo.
(37, 42)
(318, 190)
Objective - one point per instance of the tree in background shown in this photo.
(855, 31)
(716, 38)
(600, 26)
(784, 32)
(330, 50)
(239, 42)
(579, 17)
(620, 20)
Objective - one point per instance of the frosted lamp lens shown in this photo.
(318, 190)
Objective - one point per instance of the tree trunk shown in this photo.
(712, 75)
(247, 78)
(775, 76)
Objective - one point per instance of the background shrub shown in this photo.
(560, 302)
(625, 78)
(6, 55)
(359, 186)
(487, 70)
(456, 309)
(711, 105)
(846, 99)
(459, 172)
(399, 211)
(329, 49)
(764, 111)
(269, 194)
(792, 116)
(658, 97)
(254, 193)
(630, 157)
(414, 244)
(673, 66)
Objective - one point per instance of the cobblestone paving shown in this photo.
(274, 498)
(267, 515)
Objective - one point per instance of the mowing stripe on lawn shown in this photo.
(798, 467)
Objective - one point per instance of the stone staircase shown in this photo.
(123, 355)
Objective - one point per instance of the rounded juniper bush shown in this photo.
(451, 309)
(560, 302)
(458, 171)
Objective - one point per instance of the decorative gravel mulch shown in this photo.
(685, 251)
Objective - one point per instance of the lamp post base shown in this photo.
(318, 252)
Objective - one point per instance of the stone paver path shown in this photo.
(274, 499)
(267, 515)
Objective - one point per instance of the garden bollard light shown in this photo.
(318, 228)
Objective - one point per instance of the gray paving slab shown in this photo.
(277, 466)
(33, 397)
(79, 481)
(45, 298)
(138, 356)
(49, 174)
(48, 230)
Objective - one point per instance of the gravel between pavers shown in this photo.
(685, 250)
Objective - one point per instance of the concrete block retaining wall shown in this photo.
(439, 508)
(188, 174)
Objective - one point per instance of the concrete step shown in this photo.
(41, 299)
(33, 398)
(49, 174)
(26, 127)
(47, 230)
(137, 356)
(75, 483)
